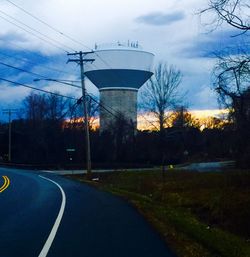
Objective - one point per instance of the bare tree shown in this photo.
(233, 12)
(232, 83)
(57, 107)
(181, 118)
(161, 93)
(231, 74)
(35, 107)
(231, 77)
(39, 107)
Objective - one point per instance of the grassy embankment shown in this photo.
(198, 214)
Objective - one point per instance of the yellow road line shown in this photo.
(5, 184)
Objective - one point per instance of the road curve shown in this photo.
(91, 224)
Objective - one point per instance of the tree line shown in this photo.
(48, 133)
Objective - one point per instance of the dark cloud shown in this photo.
(16, 65)
(222, 43)
(160, 19)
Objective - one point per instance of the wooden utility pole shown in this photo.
(81, 61)
(9, 112)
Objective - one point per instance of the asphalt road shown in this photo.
(60, 217)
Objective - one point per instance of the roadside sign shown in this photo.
(70, 150)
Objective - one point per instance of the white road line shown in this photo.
(52, 234)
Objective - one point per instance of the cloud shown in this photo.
(220, 42)
(12, 94)
(160, 19)
(205, 97)
(13, 40)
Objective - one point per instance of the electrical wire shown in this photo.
(150, 122)
(71, 109)
(36, 31)
(28, 61)
(38, 75)
(46, 24)
(101, 105)
(61, 33)
(23, 70)
(38, 89)
(46, 41)
(35, 54)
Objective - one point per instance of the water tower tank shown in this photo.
(119, 70)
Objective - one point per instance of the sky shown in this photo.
(171, 29)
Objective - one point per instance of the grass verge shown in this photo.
(197, 214)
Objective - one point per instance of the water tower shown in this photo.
(119, 70)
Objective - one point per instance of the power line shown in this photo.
(35, 54)
(44, 91)
(62, 34)
(71, 109)
(35, 63)
(101, 105)
(47, 24)
(38, 75)
(23, 70)
(59, 81)
(150, 122)
(36, 31)
(106, 107)
(48, 42)
(38, 89)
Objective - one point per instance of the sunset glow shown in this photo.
(202, 118)
(147, 121)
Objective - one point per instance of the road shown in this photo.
(209, 166)
(43, 214)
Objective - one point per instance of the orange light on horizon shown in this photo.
(93, 122)
(148, 121)
(203, 118)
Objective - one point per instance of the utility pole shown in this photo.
(81, 61)
(9, 112)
